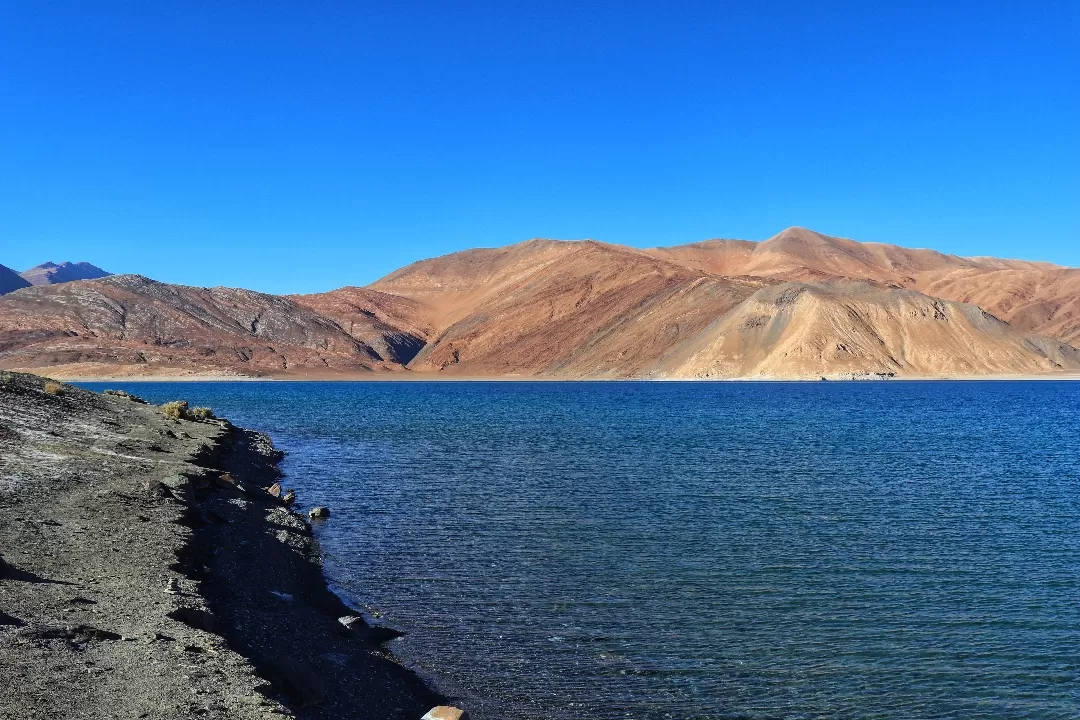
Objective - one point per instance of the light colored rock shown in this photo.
(446, 712)
(319, 512)
(226, 480)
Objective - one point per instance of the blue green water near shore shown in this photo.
(692, 550)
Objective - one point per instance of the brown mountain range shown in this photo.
(799, 305)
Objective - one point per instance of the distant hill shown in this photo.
(800, 305)
(10, 280)
(131, 325)
(50, 273)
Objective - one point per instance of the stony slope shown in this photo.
(50, 273)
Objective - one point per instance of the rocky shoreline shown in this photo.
(146, 572)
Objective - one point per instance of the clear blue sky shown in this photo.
(302, 146)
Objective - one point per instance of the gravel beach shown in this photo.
(146, 572)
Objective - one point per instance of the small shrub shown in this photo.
(53, 388)
(175, 410)
(179, 410)
(202, 413)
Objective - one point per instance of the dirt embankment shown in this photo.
(138, 582)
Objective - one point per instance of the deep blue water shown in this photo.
(887, 550)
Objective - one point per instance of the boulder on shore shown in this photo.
(319, 512)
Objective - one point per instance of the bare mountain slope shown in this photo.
(1043, 300)
(587, 309)
(131, 325)
(1034, 296)
(396, 327)
(594, 310)
(800, 304)
(799, 330)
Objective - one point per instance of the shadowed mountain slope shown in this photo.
(394, 326)
(10, 280)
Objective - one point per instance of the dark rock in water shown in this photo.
(446, 712)
(379, 634)
(319, 512)
(199, 619)
(296, 680)
(374, 634)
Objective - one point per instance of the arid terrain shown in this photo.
(799, 305)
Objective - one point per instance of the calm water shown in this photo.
(685, 550)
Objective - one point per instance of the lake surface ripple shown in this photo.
(887, 550)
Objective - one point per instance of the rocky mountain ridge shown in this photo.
(798, 305)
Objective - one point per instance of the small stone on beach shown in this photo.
(226, 480)
(446, 712)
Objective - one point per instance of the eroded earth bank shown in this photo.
(146, 572)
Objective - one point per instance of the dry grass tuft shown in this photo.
(53, 388)
(179, 410)
(175, 410)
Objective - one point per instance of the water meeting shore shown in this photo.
(146, 571)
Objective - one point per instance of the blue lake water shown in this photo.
(889, 550)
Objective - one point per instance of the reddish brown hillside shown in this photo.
(394, 326)
(1033, 296)
(131, 325)
(800, 304)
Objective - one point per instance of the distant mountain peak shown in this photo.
(50, 273)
